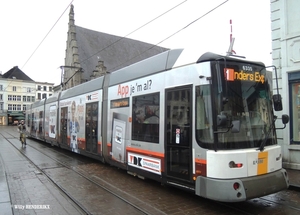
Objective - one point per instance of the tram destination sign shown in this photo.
(232, 75)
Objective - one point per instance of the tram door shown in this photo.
(41, 124)
(178, 133)
(32, 130)
(91, 127)
(63, 125)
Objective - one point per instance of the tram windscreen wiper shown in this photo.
(262, 145)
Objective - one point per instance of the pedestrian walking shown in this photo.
(22, 129)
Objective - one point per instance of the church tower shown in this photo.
(72, 69)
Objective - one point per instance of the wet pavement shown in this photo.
(24, 190)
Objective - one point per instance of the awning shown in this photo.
(20, 117)
(16, 114)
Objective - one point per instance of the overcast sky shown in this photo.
(25, 24)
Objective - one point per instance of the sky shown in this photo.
(34, 32)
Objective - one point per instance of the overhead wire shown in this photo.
(103, 48)
(47, 34)
(127, 34)
(40, 45)
(172, 34)
(42, 41)
(134, 31)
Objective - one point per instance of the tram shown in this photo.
(207, 127)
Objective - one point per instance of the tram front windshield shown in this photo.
(241, 94)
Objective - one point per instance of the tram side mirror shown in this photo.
(285, 119)
(221, 120)
(277, 102)
(235, 127)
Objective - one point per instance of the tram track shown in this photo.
(143, 209)
(238, 207)
(104, 176)
(83, 209)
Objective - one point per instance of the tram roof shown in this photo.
(209, 56)
(80, 89)
(38, 103)
(52, 98)
(152, 65)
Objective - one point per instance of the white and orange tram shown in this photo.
(207, 127)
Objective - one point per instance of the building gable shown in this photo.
(96, 53)
(16, 73)
(116, 52)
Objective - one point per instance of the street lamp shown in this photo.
(69, 67)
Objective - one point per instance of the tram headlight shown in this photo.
(232, 164)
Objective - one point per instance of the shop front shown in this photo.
(294, 92)
(14, 117)
(3, 118)
(291, 138)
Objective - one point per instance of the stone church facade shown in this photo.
(91, 54)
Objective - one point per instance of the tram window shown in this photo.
(204, 130)
(145, 118)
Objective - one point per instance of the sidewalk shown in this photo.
(24, 190)
(5, 204)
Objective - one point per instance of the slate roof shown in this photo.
(116, 52)
(16, 73)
